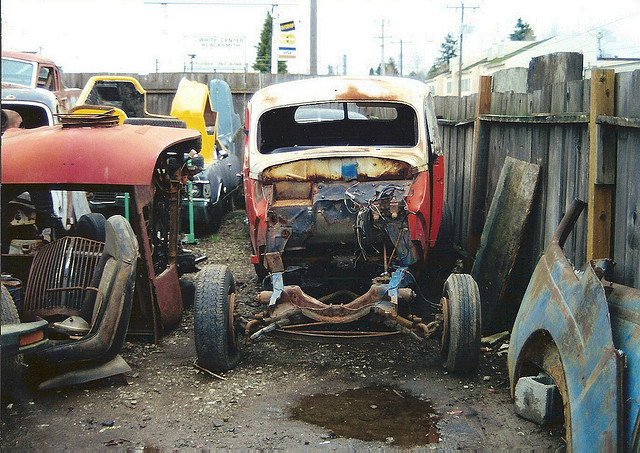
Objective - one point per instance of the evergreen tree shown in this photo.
(522, 32)
(263, 57)
(448, 49)
(390, 68)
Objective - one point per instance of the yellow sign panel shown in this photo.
(287, 39)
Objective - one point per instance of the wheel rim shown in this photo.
(231, 330)
(444, 343)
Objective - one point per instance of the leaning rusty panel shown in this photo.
(573, 312)
(60, 273)
(331, 169)
(169, 297)
(113, 155)
(624, 305)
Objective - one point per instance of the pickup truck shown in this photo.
(31, 71)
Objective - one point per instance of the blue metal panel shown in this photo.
(624, 305)
(573, 311)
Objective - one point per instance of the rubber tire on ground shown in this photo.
(215, 218)
(9, 315)
(261, 271)
(460, 348)
(164, 122)
(92, 226)
(214, 333)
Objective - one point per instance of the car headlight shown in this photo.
(206, 190)
(196, 190)
(200, 190)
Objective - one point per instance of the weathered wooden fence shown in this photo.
(551, 127)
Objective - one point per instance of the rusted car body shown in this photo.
(49, 173)
(343, 181)
(26, 70)
(191, 107)
(35, 106)
(584, 332)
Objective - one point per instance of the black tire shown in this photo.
(214, 331)
(460, 348)
(215, 218)
(92, 226)
(164, 122)
(260, 270)
(9, 313)
(10, 367)
(188, 291)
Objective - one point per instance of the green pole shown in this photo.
(126, 206)
(191, 237)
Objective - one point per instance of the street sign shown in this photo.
(287, 41)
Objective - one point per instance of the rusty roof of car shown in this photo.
(119, 155)
(27, 57)
(340, 88)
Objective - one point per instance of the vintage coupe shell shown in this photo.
(288, 159)
(343, 183)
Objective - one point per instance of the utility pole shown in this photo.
(192, 56)
(344, 64)
(313, 37)
(401, 61)
(383, 69)
(461, 8)
(275, 34)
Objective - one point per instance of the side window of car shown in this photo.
(45, 77)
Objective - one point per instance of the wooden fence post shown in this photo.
(602, 156)
(479, 170)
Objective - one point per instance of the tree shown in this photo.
(448, 49)
(390, 69)
(522, 32)
(263, 57)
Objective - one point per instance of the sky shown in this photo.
(143, 36)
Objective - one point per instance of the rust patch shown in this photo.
(331, 169)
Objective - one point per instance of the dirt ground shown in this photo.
(386, 394)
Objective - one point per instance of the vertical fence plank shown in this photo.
(600, 195)
(479, 157)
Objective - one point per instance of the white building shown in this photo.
(515, 57)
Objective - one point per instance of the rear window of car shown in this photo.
(379, 124)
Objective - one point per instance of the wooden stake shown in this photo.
(602, 155)
(477, 210)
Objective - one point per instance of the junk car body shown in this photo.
(35, 106)
(68, 257)
(583, 331)
(191, 108)
(343, 182)
(26, 70)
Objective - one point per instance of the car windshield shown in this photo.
(18, 72)
(299, 127)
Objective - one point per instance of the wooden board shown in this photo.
(503, 235)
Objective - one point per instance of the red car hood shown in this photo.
(123, 154)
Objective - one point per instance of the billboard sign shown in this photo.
(217, 52)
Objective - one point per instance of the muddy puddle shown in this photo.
(372, 414)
